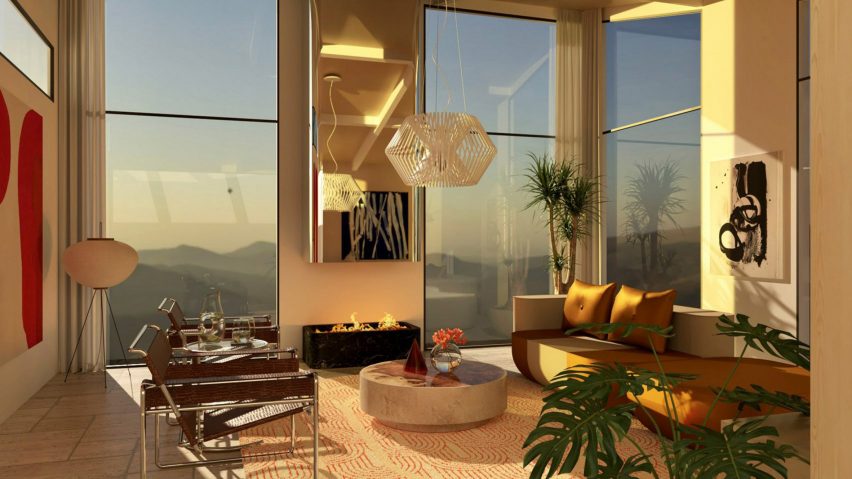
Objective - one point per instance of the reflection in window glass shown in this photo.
(653, 207)
(652, 68)
(192, 57)
(480, 255)
(22, 45)
(197, 198)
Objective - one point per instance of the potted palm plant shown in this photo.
(579, 416)
(570, 202)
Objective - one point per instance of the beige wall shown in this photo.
(329, 292)
(831, 230)
(748, 97)
(22, 376)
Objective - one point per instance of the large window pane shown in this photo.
(480, 255)
(197, 200)
(198, 57)
(24, 47)
(653, 207)
(508, 70)
(652, 68)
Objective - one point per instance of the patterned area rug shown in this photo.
(355, 446)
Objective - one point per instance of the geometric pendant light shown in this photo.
(441, 149)
(340, 192)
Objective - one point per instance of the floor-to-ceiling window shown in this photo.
(652, 143)
(482, 246)
(191, 154)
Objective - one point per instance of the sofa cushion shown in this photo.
(642, 307)
(693, 398)
(587, 303)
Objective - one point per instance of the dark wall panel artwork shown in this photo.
(377, 229)
(746, 201)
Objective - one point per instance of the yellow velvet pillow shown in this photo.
(643, 307)
(587, 303)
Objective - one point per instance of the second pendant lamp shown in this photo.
(339, 191)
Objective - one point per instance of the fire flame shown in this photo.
(387, 323)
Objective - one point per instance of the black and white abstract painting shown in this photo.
(746, 201)
(378, 228)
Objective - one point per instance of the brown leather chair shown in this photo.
(214, 400)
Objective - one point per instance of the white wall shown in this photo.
(22, 376)
(328, 292)
(748, 96)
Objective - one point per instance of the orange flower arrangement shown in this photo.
(446, 335)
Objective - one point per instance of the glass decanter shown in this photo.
(211, 321)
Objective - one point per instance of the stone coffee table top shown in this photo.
(433, 402)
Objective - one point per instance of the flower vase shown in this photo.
(446, 358)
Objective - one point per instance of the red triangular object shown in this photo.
(415, 363)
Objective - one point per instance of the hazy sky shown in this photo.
(199, 182)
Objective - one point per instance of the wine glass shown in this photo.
(243, 332)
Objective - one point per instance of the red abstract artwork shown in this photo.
(21, 234)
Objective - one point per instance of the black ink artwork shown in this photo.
(378, 228)
(743, 238)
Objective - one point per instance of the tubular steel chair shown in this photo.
(212, 401)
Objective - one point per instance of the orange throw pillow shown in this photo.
(587, 303)
(643, 307)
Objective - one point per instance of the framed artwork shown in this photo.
(747, 201)
(21, 145)
(377, 229)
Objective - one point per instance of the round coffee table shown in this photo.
(433, 402)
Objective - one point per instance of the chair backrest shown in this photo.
(158, 355)
(172, 309)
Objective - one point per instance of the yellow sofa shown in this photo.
(541, 350)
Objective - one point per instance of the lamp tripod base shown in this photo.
(104, 297)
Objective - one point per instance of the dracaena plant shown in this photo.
(581, 421)
(569, 199)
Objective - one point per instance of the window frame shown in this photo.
(112, 363)
(602, 109)
(47, 42)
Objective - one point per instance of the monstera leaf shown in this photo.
(741, 450)
(584, 426)
(759, 395)
(780, 344)
(600, 380)
(614, 467)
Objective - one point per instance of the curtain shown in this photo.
(81, 169)
(577, 114)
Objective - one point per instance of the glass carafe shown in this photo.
(211, 321)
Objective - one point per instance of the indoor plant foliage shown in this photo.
(578, 417)
(569, 199)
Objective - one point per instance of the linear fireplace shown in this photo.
(361, 344)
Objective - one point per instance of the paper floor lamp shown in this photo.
(100, 264)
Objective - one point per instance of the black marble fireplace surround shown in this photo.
(348, 349)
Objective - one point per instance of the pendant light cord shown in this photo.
(438, 71)
(333, 127)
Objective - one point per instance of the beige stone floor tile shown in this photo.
(39, 403)
(105, 448)
(36, 447)
(79, 423)
(75, 469)
(115, 426)
(23, 420)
